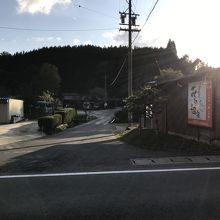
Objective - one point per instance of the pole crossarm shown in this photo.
(126, 29)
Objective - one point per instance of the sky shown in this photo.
(192, 24)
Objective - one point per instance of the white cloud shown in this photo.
(115, 38)
(88, 42)
(58, 38)
(76, 41)
(39, 6)
(44, 39)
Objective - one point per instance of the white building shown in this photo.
(11, 110)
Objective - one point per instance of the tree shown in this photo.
(3, 91)
(189, 66)
(47, 96)
(172, 46)
(148, 102)
(98, 93)
(168, 74)
(83, 68)
(48, 79)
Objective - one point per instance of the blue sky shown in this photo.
(192, 24)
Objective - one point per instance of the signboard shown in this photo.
(200, 103)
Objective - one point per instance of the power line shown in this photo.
(145, 55)
(119, 71)
(134, 5)
(94, 11)
(155, 4)
(55, 30)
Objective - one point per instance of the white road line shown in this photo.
(110, 172)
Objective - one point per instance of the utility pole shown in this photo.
(106, 95)
(130, 24)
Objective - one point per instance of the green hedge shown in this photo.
(81, 118)
(68, 115)
(49, 123)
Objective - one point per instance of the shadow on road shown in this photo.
(21, 129)
(97, 155)
(56, 143)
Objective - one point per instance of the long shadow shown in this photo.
(19, 130)
(64, 158)
(56, 143)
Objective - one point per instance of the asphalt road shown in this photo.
(70, 178)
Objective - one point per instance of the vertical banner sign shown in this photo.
(200, 103)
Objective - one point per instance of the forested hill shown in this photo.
(83, 68)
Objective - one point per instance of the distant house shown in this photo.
(72, 99)
(193, 106)
(11, 110)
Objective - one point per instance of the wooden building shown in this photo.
(193, 106)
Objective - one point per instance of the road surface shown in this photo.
(86, 173)
(25, 130)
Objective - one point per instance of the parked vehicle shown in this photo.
(87, 106)
(45, 108)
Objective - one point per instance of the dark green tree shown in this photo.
(48, 79)
(149, 97)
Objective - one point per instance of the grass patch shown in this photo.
(169, 143)
(61, 127)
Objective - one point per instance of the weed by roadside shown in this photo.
(168, 143)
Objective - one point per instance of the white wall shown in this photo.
(16, 107)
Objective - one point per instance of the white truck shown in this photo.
(11, 110)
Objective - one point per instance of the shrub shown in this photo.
(68, 115)
(49, 123)
(61, 127)
(80, 118)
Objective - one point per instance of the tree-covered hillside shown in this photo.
(83, 68)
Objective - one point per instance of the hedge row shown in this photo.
(49, 123)
(81, 118)
(68, 115)
(63, 116)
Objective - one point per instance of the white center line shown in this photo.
(109, 172)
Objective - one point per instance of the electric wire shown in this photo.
(144, 55)
(94, 11)
(119, 71)
(55, 30)
(154, 6)
(148, 17)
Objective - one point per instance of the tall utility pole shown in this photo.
(106, 94)
(130, 84)
(130, 24)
